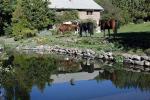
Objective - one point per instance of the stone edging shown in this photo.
(88, 53)
(85, 53)
(137, 60)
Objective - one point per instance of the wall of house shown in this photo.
(95, 16)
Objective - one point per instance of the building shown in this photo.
(87, 9)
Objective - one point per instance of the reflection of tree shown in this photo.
(124, 79)
(29, 71)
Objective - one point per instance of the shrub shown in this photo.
(67, 33)
(54, 32)
(29, 33)
(138, 21)
(90, 20)
(119, 58)
(147, 52)
(67, 16)
(20, 30)
(7, 29)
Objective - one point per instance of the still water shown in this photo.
(51, 77)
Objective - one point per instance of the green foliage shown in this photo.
(20, 30)
(110, 11)
(54, 32)
(37, 13)
(139, 21)
(67, 16)
(119, 58)
(147, 51)
(30, 16)
(91, 21)
(126, 10)
(6, 9)
(7, 29)
(138, 9)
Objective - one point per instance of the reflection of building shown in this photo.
(75, 76)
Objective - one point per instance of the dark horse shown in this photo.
(87, 28)
(109, 24)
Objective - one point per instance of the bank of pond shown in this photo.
(51, 76)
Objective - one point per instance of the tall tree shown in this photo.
(37, 13)
(6, 9)
(129, 10)
(31, 15)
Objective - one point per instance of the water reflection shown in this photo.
(49, 71)
(124, 79)
(88, 66)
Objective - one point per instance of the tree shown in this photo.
(126, 10)
(30, 16)
(20, 24)
(37, 13)
(6, 9)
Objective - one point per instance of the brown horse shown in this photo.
(109, 24)
(67, 28)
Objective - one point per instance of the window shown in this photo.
(89, 12)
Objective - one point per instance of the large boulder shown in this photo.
(145, 58)
(127, 56)
(141, 63)
(136, 57)
(129, 61)
(146, 63)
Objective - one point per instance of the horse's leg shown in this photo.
(109, 32)
(115, 30)
(86, 33)
(90, 34)
(104, 33)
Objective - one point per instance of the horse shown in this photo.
(109, 24)
(67, 28)
(86, 27)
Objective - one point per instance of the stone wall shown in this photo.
(137, 60)
(95, 16)
(85, 53)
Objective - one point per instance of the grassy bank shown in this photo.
(130, 38)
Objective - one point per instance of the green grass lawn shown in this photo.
(144, 27)
(131, 34)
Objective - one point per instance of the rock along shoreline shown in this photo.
(88, 53)
(85, 53)
(135, 62)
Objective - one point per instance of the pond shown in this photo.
(53, 77)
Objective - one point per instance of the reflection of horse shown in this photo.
(109, 24)
(87, 67)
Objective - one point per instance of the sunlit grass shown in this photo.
(144, 27)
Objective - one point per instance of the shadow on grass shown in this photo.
(132, 40)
